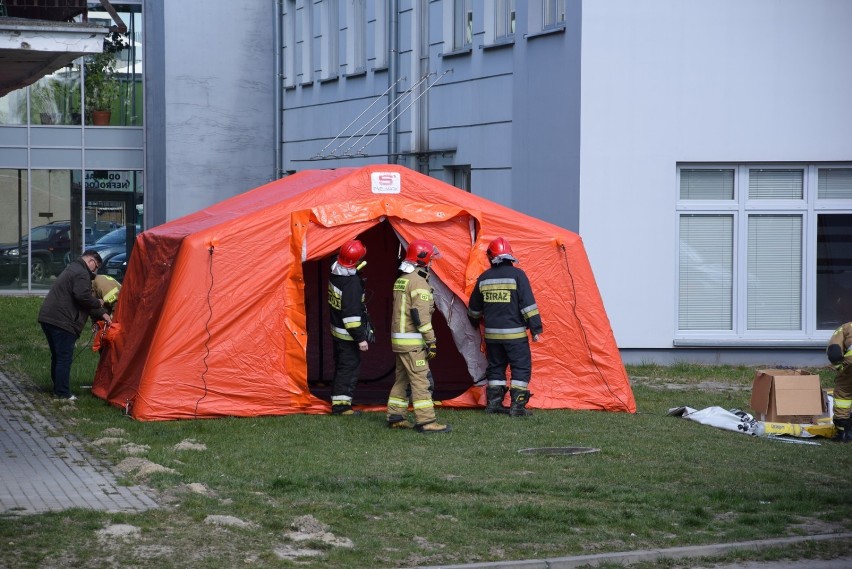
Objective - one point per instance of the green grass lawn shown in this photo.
(401, 499)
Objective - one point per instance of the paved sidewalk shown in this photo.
(665, 556)
(42, 470)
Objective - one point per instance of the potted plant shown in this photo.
(45, 101)
(102, 83)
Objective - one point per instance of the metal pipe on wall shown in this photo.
(393, 73)
(277, 98)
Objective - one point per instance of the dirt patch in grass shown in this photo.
(190, 444)
(141, 468)
(682, 385)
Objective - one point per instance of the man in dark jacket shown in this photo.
(64, 313)
(504, 298)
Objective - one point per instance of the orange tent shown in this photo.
(224, 311)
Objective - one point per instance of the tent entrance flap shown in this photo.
(378, 363)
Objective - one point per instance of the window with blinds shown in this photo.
(775, 184)
(765, 251)
(774, 269)
(834, 183)
(705, 184)
(705, 299)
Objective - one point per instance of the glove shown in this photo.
(835, 354)
(371, 336)
(432, 351)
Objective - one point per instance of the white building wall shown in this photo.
(219, 85)
(665, 82)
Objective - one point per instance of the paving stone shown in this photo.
(41, 470)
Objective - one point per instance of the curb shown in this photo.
(628, 557)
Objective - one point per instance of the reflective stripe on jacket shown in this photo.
(346, 307)
(412, 296)
(504, 298)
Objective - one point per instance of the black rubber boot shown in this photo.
(519, 402)
(344, 410)
(495, 394)
(844, 431)
(399, 422)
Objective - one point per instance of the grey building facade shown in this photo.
(701, 151)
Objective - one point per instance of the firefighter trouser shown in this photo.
(347, 367)
(843, 394)
(515, 355)
(412, 371)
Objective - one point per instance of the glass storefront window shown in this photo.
(112, 216)
(14, 208)
(35, 256)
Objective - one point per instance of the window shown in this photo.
(288, 47)
(748, 265)
(459, 176)
(304, 42)
(553, 14)
(499, 28)
(330, 30)
(112, 80)
(380, 34)
(706, 272)
(356, 37)
(505, 19)
(834, 269)
(545, 16)
(462, 24)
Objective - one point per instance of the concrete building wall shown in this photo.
(692, 81)
(217, 108)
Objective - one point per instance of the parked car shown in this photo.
(51, 244)
(116, 267)
(112, 243)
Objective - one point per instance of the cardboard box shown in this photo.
(787, 396)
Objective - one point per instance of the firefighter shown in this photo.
(105, 288)
(504, 299)
(839, 353)
(413, 342)
(351, 330)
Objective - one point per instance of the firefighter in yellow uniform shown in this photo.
(839, 353)
(413, 342)
(105, 288)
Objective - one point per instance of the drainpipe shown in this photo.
(277, 41)
(393, 74)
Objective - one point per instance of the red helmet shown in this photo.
(351, 254)
(500, 246)
(420, 252)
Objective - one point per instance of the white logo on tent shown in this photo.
(385, 182)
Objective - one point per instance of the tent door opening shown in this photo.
(378, 363)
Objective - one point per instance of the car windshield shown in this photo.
(40, 233)
(113, 237)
